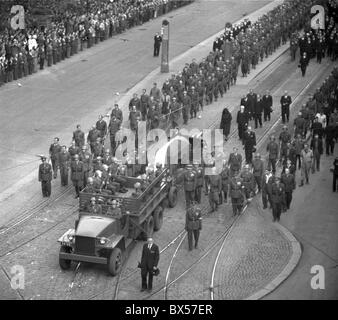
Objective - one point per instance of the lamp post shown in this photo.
(165, 47)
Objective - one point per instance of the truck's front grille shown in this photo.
(85, 245)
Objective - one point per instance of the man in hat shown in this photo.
(77, 174)
(93, 134)
(215, 187)
(242, 122)
(186, 101)
(267, 106)
(258, 170)
(225, 177)
(157, 44)
(101, 126)
(117, 112)
(45, 177)
(193, 224)
(149, 261)
(114, 127)
(288, 179)
(306, 164)
(285, 105)
(267, 181)
(237, 195)
(199, 181)
(284, 139)
(235, 162)
(273, 150)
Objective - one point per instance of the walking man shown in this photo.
(77, 174)
(157, 44)
(289, 182)
(45, 177)
(277, 199)
(193, 225)
(149, 261)
(285, 104)
(307, 158)
(249, 142)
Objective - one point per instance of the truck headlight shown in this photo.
(103, 240)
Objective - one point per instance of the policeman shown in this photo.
(190, 183)
(225, 177)
(63, 164)
(215, 187)
(77, 174)
(285, 105)
(54, 149)
(199, 181)
(193, 224)
(45, 177)
(94, 208)
(237, 195)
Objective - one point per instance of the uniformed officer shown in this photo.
(258, 170)
(93, 134)
(273, 150)
(190, 183)
(284, 139)
(86, 157)
(79, 137)
(285, 105)
(63, 164)
(237, 195)
(215, 187)
(101, 125)
(94, 208)
(54, 149)
(277, 199)
(193, 225)
(117, 112)
(199, 181)
(235, 162)
(77, 174)
(45, 177)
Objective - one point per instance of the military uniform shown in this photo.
(258, 170)
(237, 195)
(95, 209)
(248, 183)
(225, 176)
(79, 138)
(215, 185)
(193, 225)
(235, 163)
(267, 181)
(249, 142)
(77, 175)
(285, 103)
(190, 182)
(45, 177)
(273, 150)
(199, 184)
(63, 164)
(290, 184)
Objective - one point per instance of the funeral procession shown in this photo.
(169, 150)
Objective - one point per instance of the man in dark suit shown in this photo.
(149, 262)
(257, 111)
(317, 149)
(242, 122)
(267, 106)
(45, 177)
(249, 143)
(157, 44)
(277, 199)
(288, 179)
(235, 162)
(285, 102)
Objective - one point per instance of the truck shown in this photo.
(103, 238)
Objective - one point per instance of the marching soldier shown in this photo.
(193, 225)
(307, 159)
(175, 113)
(86, 158)
(101, 125)
(93, 134)
(186, 101)
(284, 139)
(267, 181)
(73, 150)
(63, 164)
(114, 127)
(54, 150)
(199, 182)
(45, 177)
(215, 187)
(79, 137)
(190, 183)
(77, 174)
(117, 112)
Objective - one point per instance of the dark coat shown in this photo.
(226, 122)
(249, 140)
(150, 258)
(77, 171)
(193, 219)
(45, 172)
(289, 182)
(320, 145)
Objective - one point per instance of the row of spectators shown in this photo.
(70, 31)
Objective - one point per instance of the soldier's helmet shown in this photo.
(137, 185)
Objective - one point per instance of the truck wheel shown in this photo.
(172, 197)
(64, 263)
(149, 228)
(115, 261)
(158, 218)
